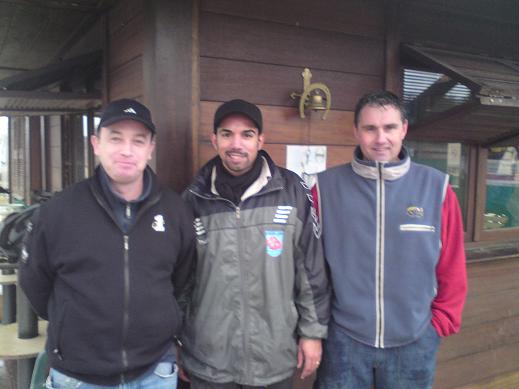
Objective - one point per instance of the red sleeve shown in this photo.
(451, 271)
(315, 200)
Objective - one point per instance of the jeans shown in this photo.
(197, 383)
(161, 376)
(349, 364)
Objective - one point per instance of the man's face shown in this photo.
(380, 132)
(124, 149)
(237, 141)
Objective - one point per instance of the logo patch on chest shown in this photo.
(414, 211)
(274, 242)
(158, 223)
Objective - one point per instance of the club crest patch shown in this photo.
(274, 242)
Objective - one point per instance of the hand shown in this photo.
(309, 356)
(181, 372)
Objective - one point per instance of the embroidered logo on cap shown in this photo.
(158, 224)
(130, 110)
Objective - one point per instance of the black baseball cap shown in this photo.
(238, 106)
(126, 109)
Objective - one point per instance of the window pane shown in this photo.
(502, 207)
(450, 158)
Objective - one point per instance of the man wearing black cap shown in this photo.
(260, 304)
(107, 258)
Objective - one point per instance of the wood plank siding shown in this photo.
(125, 44)
(257, 51)
(486, 350)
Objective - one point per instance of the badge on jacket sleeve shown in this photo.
(274, 241)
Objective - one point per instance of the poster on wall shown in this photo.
(306, 161)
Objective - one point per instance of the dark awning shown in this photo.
(35, 92)
(487, 115)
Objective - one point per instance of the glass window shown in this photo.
(450, 158)
(502, 206)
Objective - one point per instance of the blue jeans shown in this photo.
(349, 364)
(162, 376)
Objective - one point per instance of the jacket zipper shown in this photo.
(126, 304)
(126, 249)
(245, 298)
(379, 266)
(243, 273)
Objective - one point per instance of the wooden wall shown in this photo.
(257, 51)
(151, 59)
(485, 354)
(125, 46)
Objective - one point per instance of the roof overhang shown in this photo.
(30, 103)
(489, 116)
(32, 93)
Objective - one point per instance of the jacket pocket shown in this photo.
(417, 227)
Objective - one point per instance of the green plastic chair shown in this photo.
(40, 371)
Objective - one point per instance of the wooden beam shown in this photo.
(46, 75)
(481, 189)
(43, 95)
(393, 70)
(168, 86)
(471, 192)
(35, 154)
(451, 114)
(510, 139)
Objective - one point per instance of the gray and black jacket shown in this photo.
(109, 294)
(260, 279)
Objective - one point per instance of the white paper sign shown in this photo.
(306, 161)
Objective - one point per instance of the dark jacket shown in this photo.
(260, 280)
(109, 296)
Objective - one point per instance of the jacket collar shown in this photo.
(390, 170)
(269, 178)
(151, 190)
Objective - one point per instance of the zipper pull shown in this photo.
(237, 212)
(126, 245)
(128, 211)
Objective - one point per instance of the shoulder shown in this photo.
(418, 168)
(291, 180)
(175, 203)
(72, 195)
(334, 171)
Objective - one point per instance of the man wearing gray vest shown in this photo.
(393, 238)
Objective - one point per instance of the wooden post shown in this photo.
(168, 86)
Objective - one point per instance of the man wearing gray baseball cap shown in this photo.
(107, 259)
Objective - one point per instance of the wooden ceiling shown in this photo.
(41, 48)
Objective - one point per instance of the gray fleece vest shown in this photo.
(381, 231)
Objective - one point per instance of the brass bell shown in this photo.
(317, 102)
